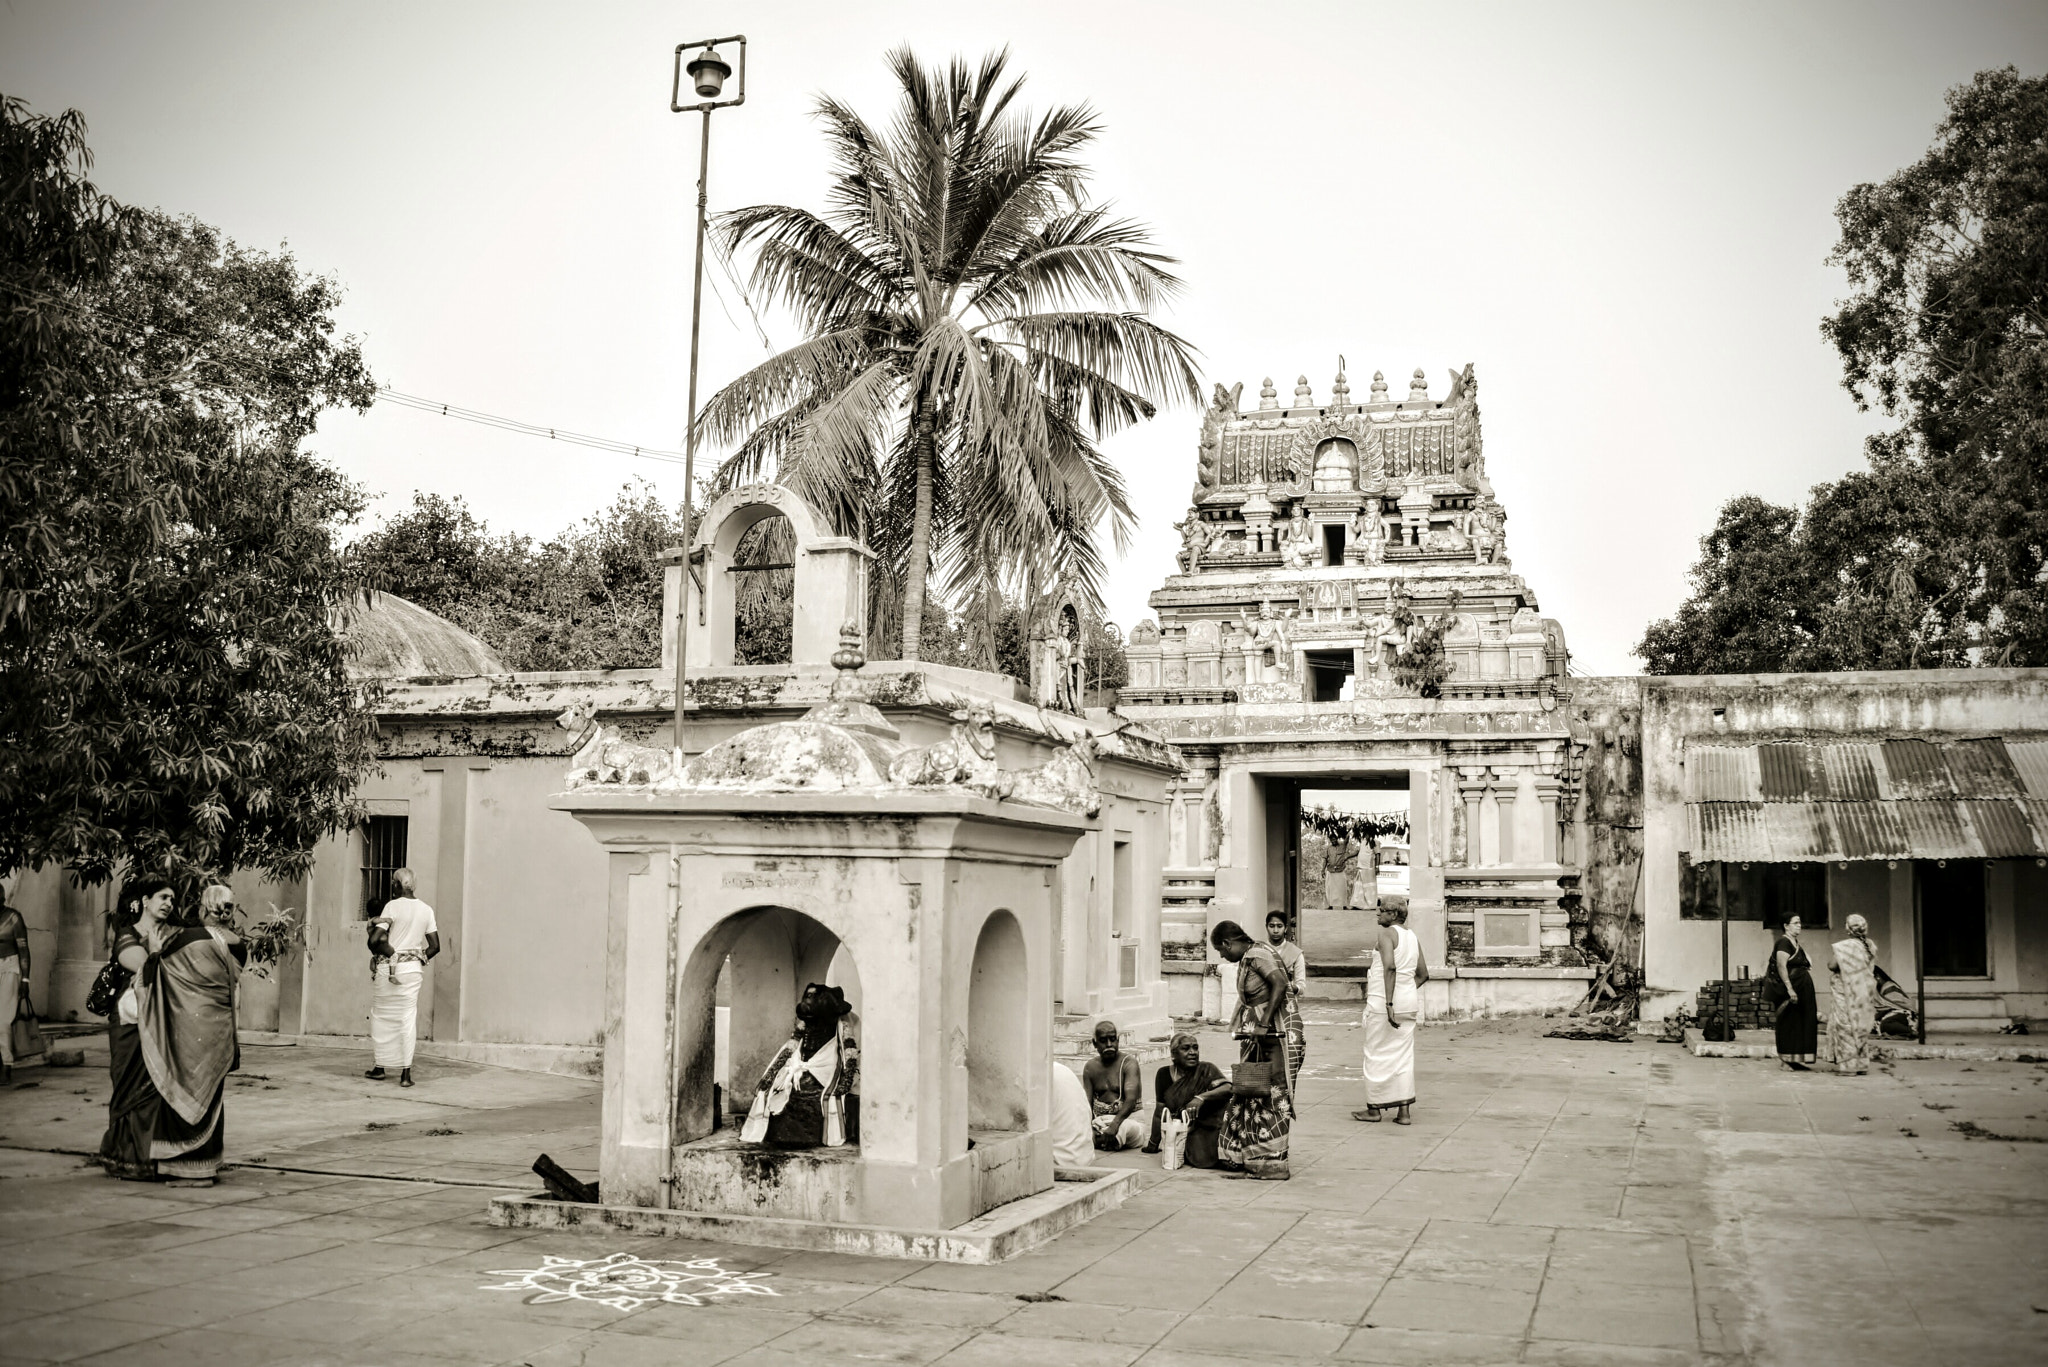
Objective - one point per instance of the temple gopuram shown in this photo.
(1346, 615)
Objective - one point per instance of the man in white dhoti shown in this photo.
(1392, 1007)
(1073, 1130)
(402, 938)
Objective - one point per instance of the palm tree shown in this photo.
(974, 326)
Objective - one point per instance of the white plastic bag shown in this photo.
(755, 1130)
(1173, 1140)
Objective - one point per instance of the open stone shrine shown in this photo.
(923, 881)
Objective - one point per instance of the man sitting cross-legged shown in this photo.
(1115, 1087)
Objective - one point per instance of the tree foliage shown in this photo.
(974, 326)
(589, 598)
(1937, 554)
(173, 689)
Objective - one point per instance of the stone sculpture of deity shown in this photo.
(1369, 533)
(1268, 635)
(809, 1097)
(1194, 539)
(1297, 545)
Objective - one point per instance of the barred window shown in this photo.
(383, 855)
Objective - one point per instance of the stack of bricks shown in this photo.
(1746, 1005)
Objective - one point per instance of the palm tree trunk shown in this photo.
(922, 451)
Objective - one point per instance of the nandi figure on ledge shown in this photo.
(603, 756)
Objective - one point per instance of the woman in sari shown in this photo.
(1296, 963)
(1854, 1011)
(1196, 1092)
(1253, 1138)
(131, 1111)
(1789, 985)
(170, 1080)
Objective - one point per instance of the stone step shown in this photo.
(1973, 1004)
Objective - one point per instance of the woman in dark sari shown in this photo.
(131, 1111)
(184, 1021)
(1253, 1138)
(1790, 985)
(1196, 1092)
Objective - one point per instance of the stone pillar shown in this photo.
(1472, 788)
(1547, 786)
(1507, 794)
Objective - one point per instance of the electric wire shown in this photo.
(256, 367)
(385, 394)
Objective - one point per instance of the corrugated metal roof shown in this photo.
(2003, 829)
(1980, 768)
(1916, 769)
(1792, 801)
(2030, 759)
(1728, 830)
(1839, 832)
(1936, 830)
(1784, 771)
(1724, 774)
(1851, 771)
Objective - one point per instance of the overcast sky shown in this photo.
(1619, 213)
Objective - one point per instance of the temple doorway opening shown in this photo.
(1333, 543)
(763, 958)
(1338, 852)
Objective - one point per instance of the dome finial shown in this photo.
(848, 659)
(1379, 386)
(1269, 397)
(1418, 387)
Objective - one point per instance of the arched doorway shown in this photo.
(997, 1019)
(763, 592)
(737, 1005)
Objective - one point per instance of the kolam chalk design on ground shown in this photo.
(625, 1282)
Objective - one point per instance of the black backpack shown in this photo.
(107, 989)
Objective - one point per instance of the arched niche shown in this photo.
(998, 1026)
(829, 573)
(766, 956)
(1336, 466)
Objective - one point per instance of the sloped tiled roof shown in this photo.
(1832, 801)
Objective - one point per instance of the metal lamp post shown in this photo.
(707, 72)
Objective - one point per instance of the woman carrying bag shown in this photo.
(19, 1037)
(1253, 1140)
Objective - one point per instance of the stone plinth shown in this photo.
(932, 907)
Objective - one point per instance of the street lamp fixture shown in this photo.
(708, 73)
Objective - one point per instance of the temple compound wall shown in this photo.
(1345, 615)
(470, 754)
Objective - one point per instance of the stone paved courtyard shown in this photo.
(1555, 1202)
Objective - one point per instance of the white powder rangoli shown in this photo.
(625, 1282)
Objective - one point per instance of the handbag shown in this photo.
(27, 1036)
(1173, 1141)
(1251, 1079)
(105, 996)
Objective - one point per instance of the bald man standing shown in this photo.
(402, 938)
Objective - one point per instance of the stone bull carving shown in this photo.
(603, 756)
(1066, 781)
(967, 756)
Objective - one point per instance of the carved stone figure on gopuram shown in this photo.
(1343, 550)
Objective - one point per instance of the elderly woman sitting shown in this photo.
(1196, 1092)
